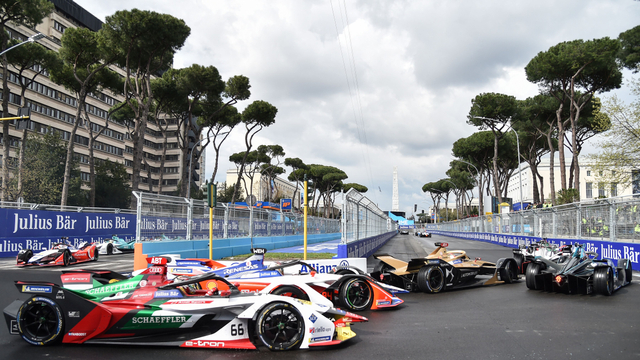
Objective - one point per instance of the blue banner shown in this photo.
(38, 229)
(286, 204)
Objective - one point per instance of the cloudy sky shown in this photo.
(369, 85)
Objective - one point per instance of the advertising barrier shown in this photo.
(605, 249)
(365, 247)
(37, 230)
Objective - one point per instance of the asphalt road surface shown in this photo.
(497, 322)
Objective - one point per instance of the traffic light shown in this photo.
(415, 207)
(211, 195)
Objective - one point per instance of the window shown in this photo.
(59, 27)
(613, 172)
(614, 189)
(601, 190)
(588, 172)
(589, 190)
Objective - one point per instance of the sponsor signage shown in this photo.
(605, 249)
(37, 289)
(364, 248)
(285, 204)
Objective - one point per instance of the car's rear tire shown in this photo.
(603, 280)
(280, 327)
(532, 270)
(431, 279)
(40, 321)
(290, 291)
(356, 294)
(109, 249)
(96, 253)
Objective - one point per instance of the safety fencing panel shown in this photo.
(362, 218)
(175, 218)
(612, 219)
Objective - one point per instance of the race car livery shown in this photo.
(578, 273)
(443, 270)
(148, 309)
(115, 245)
(348, 288)
(61, 253)
(525, 254)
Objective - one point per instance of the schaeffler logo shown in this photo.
(203, 343)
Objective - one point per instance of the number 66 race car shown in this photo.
(442, 270)
(148, 309)
(61, 253)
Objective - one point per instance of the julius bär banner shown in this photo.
(37, 230)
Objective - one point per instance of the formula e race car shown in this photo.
(525, 254)
(150, 310)
(61, 253)
(578, 273)
(443, 270)
(422, 233)
(115, 245)
(348, 288)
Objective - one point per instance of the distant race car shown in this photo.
(404, 232)
(61, 253)
(348, 288)
(115, 245)
(443, 270)
(525, 254)
(422, 234)
(148, 309)
(578, 273)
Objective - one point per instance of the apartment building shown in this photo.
(55, 107)
(279, 188)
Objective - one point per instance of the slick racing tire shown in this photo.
(280, 327)
(40, 321)
(532, 270)
(519, 261)
(291, 291)
(96, 253)
(345, 272)
(509, 272)
(109, 249)
(625, 267)
(66, 257)
(356, 294)
(603, 280)
(431, 279)
(28, 254)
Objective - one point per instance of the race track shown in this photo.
(498, 322)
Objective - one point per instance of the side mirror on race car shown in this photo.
(439, 244)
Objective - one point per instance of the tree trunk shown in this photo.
(67, 166)
(561, 131)
(551, 169)
(496, 183)
(92, 170)
(5, 125)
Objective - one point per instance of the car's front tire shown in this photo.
(530, 278)
(431, 279)
(280, 327)
(356, 294)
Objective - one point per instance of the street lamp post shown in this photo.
(31, 38)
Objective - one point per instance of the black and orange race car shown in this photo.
(443, 269)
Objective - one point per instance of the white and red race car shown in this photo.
(61, 253)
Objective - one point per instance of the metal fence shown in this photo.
(162, 217)
(612, 219)
(361, 218)
(45, 207)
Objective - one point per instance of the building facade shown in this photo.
(262, 188)
(590, 188)
(54, 107)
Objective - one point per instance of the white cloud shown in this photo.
(418, 65)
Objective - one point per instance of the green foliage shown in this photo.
(360, 188)
(226, 192)
(629, 53)
(112, 185)
(44, 160)
(567, 196)
(500, 108)
(259, 113)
